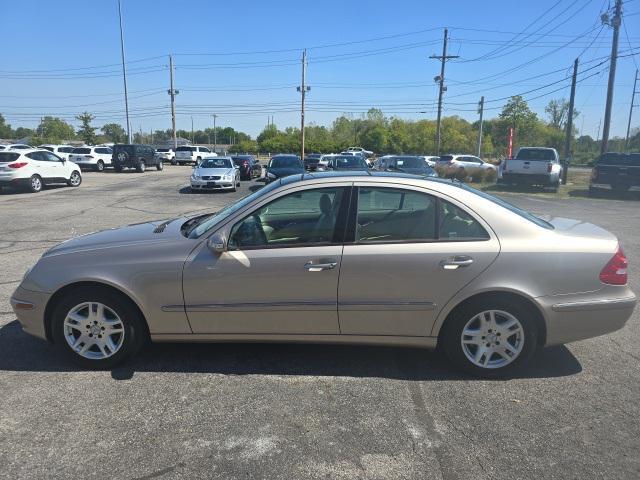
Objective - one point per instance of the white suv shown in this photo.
(165, 154)
(62, 151)
(96, 158)
(32, 169)
(191, 154)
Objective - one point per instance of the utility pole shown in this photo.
(215, 134)
(481, 112)
(615, 23)
(124, 74)
(440, 80)
(303, 89)
(172, 93)
(191, 128)
(569, 126)
(633, 99)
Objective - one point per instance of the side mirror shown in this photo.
(217, 243)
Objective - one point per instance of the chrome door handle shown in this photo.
(318, 267)
(456, 262)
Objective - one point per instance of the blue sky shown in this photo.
(241, 60)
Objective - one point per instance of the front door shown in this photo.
(280, 272)
(412, 252)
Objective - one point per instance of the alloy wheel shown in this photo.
(36, 183)
(93, 330)
(74, 180)
(492, 339)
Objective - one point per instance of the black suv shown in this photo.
(135, 156)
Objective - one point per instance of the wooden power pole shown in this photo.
(442, 88)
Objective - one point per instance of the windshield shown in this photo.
(229, 210)
(81, 150)
(162, 150)
(284, 162)
(185, 149)
(349, 162)
(446, 158)
(216, 163)
(410, 162)
(540, 154)
(47, 148)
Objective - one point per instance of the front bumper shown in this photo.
(212, 184)
(585, 316)
(29, 307)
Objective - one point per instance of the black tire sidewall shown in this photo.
(160, 166)
(452, 331)
(135, 332)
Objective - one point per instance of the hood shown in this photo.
(285, 171)
(577, 228)
(136, 234)
(213, 171)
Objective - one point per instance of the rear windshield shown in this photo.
(621, 159)
(446, 158)
(540, 154)
(185, 149)
(65, 149)
(6, 157)
(81, 150)
(163, 150)
(216, 163)
(348, 161)
(48, 148)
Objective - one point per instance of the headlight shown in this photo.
(271, 175)
(195, 177)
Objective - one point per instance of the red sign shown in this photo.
(510, 147)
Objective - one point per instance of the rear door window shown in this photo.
(458, 225)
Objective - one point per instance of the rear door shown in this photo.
(280, 273)
(411, 252)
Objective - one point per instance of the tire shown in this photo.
(119, 314)
(100, 166)
(75, 179)
(35, 184)
(173, 162)
(476, 315)
(141, 167)
(160, 166)
(198, 160)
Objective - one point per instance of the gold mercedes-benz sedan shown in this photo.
(364, 257)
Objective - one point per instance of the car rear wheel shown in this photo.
(160, 165)
(141, 167)
(490, 338)
(75, 179)
(97, 328)
(35, 183)
(100, 166)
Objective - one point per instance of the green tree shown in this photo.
(23, 132)
(114, 132)
(5, 128)
(558, 111)
(54, 130)
(86, 132)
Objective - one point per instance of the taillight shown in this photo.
(246, 162)
(615, 271)
(549, 167)
(18, 165)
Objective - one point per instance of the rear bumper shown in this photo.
(615, 185)
(581, 317)
(14, 182)
(29, 307)
(531, 179)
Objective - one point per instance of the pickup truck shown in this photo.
(615, 171)
(532, 166)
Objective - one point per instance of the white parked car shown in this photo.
(62, 151)
(464, 162)
(18, 146)
(366, 153)
(95, 158)
(215, 173)
(33, 169)
(165, 154)
(191, 154)
(431, 160)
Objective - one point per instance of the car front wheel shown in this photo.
(490, 338)
(75, 179)
(97, 328)
(141, 167)
(160, 165)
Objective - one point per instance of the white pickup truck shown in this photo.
(532, 166)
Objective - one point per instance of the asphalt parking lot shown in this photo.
(298, 411)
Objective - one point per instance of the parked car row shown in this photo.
(33, 168)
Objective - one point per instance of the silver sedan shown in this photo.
(371, 258)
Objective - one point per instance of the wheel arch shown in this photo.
(61, 292)
(538, 315)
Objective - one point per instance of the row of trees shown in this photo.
(373, 131)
